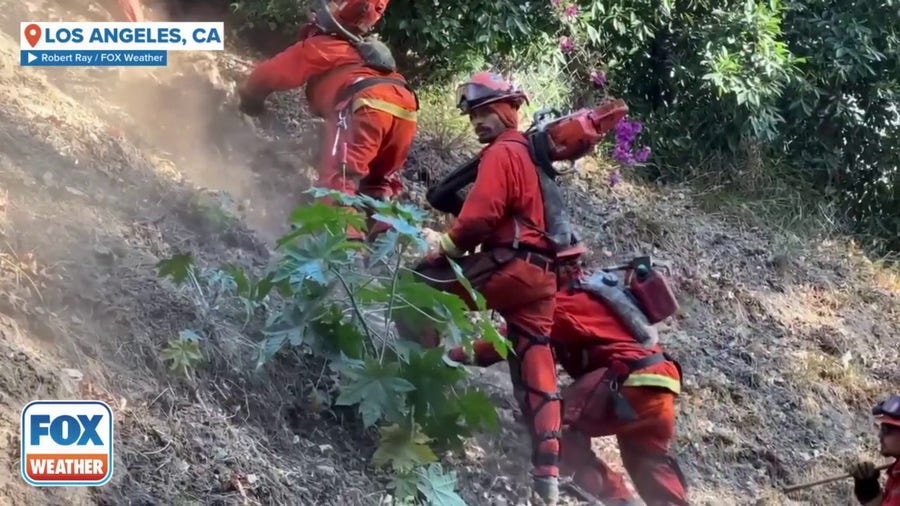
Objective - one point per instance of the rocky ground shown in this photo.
(785, 343)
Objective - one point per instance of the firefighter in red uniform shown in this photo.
(504, 214)
(865, 476)
(369, 110)
(131, 10)
(125, 10)
(621, 389)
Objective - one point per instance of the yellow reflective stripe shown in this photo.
(653, 380)
(381, 105)
(449, 248)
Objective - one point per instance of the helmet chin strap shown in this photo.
(326, 20)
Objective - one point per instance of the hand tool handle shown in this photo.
(823, 481)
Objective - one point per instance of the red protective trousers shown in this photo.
(891, 494)
(643, 445)
(524, 295)
(367, 155)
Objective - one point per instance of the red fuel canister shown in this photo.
(653, 293)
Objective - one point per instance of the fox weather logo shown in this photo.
(68, 443)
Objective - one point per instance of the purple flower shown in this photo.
(598, 78)
(622, 154)
(642, 155)
(626, 133)
(566, 45)
(614, 178)
(571, 11)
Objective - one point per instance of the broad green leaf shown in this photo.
(290, 326)
(432, 379)
(478, 411)
(384, 246)
(404, 486)
(426, 298)
(399, 224)
(377, 389)
(320, 217)
(247, 288)
(411, 214)
(339, 335)
(182, 355)
(489, 333)
(269, 347)
(439, 487)
(402, 449)
(178, 267)
(242, 283)
(480, 303)
(313, 259)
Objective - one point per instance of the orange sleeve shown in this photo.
(488, 201)
(289, 69)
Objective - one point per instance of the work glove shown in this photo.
(252, 107)
(863, 471)
(865, 481)
(249, 104)
(545, 490)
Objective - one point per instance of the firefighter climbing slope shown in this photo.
(370, 111)
(504, 214)
(622, 388)
(867, 488)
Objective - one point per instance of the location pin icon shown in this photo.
(33, 34)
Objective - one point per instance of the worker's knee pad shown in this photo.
(523, 370)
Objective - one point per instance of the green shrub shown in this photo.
(338, 299)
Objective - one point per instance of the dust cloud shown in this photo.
(187, 114)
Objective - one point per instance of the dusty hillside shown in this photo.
(785, 344)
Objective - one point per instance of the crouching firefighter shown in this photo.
(506, 213)
(866, 486)
(352, 82)
(625, 385)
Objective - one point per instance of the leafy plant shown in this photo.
(183, 353)
(339, 299)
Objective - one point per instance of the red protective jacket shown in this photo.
(326, 65)
(890, 496)
(586, 336)
(513, 183)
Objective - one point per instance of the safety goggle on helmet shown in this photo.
(485, 88)
(888, 411)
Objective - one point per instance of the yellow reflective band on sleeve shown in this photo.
(653, 380)
(449, 248)
(383, 106)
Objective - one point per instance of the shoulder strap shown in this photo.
(350, 91)
(520, 217)
(315, 80)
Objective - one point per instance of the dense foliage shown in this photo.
(337, 299)
(804, 90)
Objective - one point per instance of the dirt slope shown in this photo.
(785, 344)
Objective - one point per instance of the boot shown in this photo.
(546, 490)
(621, 502)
